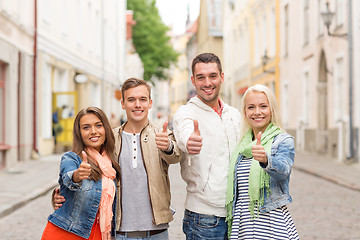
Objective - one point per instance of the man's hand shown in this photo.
(194, 142)
(84, 170)
(258, 150)
(57, 200)
(162, 138)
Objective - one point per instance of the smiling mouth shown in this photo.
(208, 90)
(94, 139)
(138, 111)
(258, 119)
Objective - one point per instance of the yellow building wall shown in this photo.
(269, 74)
(207, 43)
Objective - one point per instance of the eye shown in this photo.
(250, 107)
(99, 125)
(86, 127)
(213, 76)
(200, 78)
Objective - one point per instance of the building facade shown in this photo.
(315, 103)
(17, 27)
(251, 46)
(80, 62)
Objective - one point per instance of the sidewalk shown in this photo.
(27, 181)
(346, 175)
(34, 178)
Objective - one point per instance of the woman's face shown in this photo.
(92, 131)
(257, 111)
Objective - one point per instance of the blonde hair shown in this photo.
(273, 104)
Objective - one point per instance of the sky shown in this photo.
(174, 13)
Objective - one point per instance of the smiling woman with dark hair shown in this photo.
(87, 179)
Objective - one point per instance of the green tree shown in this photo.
(151, 40)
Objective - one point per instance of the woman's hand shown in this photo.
(258, 150)
(84, 170)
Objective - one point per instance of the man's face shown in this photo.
(137, 103)
(207, 80)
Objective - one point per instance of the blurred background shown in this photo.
(57, 57)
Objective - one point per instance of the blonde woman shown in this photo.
(259, 172)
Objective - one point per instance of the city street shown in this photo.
(321, 210)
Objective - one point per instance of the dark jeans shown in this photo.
(204, 227)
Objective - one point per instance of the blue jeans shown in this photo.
(161, 236)
(201, 226)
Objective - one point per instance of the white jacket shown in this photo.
(206, 173)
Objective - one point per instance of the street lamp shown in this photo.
(264, 60)
(327, 18)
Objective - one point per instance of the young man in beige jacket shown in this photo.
(144, 153)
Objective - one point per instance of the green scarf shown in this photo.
(259, 180)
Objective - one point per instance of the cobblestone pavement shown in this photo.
(324, 210)
(320, 209)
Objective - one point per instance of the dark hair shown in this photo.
(134, 82)
(108, 146)
(206, 58)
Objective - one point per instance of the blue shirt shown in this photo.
(78, 213)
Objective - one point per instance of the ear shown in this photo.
(122, 104)
(222, 77)
(193, 80)
(150, 103)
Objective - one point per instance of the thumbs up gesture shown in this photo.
(258, 150)
(84, 170)
(194, 142)
(162, 138)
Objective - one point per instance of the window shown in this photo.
(321, 8)
(65, 18)
(2, 100)
(272, 45)
(306, 22)
(339, 89)
(264, 35)
(95, 91)
(46, 100)
(305, 97)
(79, 23)
(286, 30)
(285, 103)
(340, 12)
(257, 44)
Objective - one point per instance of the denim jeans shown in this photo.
(204, 227)
(161, 236)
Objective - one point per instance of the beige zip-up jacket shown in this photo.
(156, 164)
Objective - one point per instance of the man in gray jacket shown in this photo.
(207, 130)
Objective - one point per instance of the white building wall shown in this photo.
(356, 71)
(315, 120)
(16, 52)
(80, 37)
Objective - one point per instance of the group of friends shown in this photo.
(114, 184)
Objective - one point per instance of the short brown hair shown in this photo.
(108, 146)
(134, 82)
(206, 58)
